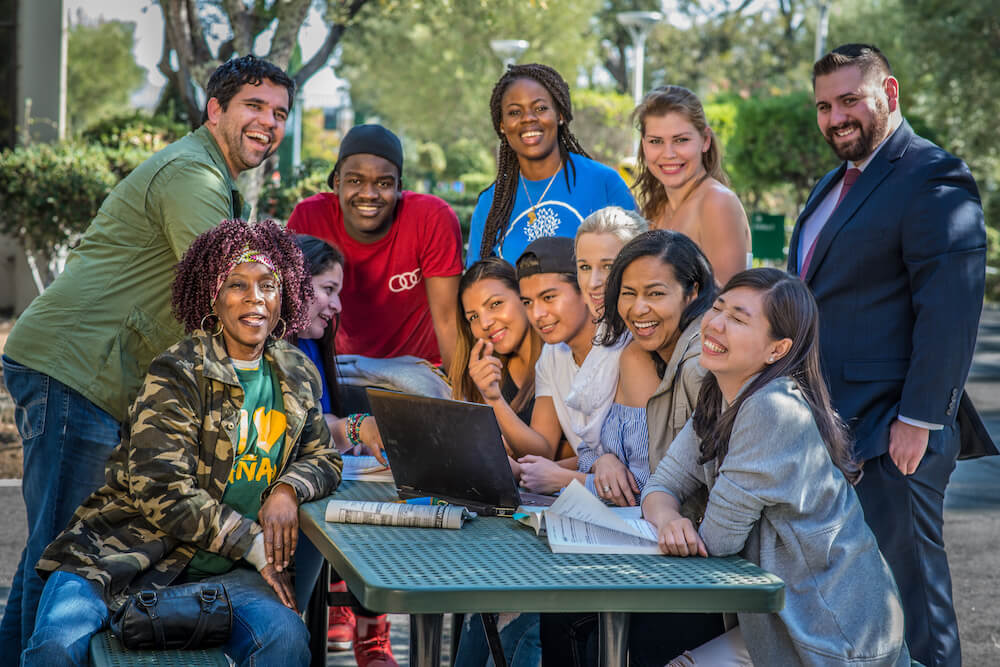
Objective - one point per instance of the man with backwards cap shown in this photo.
(402, 249)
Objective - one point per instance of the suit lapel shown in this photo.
(818, 193)
(871, 178)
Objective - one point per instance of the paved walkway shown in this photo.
(971, 530)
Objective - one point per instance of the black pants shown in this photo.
(570, 640)
(907, 516)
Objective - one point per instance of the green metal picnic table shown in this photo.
(497, 565)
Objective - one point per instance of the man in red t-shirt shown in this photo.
(402, 250)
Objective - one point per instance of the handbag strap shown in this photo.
(149, 600)
(206, 597)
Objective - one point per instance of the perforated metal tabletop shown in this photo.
(494, 564)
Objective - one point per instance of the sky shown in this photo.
(148, 19)
(321, 90)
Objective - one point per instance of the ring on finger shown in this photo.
(607, 489)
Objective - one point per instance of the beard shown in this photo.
(868, 139)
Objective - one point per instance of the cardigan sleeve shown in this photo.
(773, 435)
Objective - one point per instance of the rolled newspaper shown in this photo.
(397, 514)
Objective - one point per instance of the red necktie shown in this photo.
(849, 178)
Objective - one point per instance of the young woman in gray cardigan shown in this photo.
(775, 457)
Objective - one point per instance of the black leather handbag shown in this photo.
(196, 615)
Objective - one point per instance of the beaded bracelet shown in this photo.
(353, 427)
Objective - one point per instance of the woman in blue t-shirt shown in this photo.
(546, 183)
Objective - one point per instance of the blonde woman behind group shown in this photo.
(681, 184)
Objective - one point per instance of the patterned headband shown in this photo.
(246, 255)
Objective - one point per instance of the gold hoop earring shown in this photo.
(284, 329)
(217, 321)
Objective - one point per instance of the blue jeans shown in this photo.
(308, 563)
(265, 632)
(520, 640)
(67, 441)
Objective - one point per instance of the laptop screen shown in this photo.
(438, 447)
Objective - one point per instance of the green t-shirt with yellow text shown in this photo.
(257, 456)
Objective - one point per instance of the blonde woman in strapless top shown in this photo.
(682, 186)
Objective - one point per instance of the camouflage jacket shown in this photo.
(162, 496)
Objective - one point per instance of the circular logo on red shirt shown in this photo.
(404, 281)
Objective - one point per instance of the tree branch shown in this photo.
(291, 14)
(242, 23)
(321, 57)
(174, 32)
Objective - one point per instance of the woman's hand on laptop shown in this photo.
(372, 439)
(542, 475)
(515, 468)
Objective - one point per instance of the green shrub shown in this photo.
(775, 142)
(601, 121)
(467, 156)
(131, 138)
(49, 193)
(136, 129)
(277, 199)
(476, 183)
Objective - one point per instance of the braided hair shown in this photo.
(508, 168)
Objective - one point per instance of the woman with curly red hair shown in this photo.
(225, 440)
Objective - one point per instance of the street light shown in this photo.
(822, 27)
(508, 50)
(638, 25)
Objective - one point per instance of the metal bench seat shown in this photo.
(107, 651)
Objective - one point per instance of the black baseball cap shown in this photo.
(373, 140)
(549, 254)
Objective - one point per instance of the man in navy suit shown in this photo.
(892, 244)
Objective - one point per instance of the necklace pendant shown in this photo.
(531, 215)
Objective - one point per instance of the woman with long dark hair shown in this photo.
(325, 264)
(776, 459)
(546, 182)
(497, 347)
(657, 289)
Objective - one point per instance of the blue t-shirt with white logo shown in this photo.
(558, 214)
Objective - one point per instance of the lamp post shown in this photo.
(508, 50)
(822, 27)
(638, 25)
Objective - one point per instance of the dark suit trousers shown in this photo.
(906, 515)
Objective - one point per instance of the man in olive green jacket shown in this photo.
(76, 358)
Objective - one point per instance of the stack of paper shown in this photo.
(578, 522)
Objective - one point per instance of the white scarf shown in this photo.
(593, 390)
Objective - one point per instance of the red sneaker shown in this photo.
(341, 629)
(371, 642)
